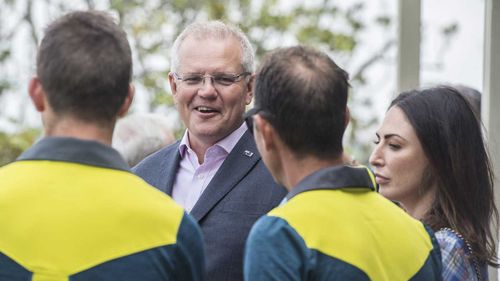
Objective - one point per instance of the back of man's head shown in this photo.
(302, 93)
(84, 66)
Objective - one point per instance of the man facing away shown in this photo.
(333, 226)
(214, 171)
(69, 207)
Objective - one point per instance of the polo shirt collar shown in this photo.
(335, 178)
(74, 150)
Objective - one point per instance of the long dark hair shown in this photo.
(459, 166)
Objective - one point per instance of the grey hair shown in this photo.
(215, 30)
(140, 134)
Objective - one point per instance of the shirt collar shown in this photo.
(74, 150)
(336, 178)
(227, 143)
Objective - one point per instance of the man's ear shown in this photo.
(249, 89)
(347, 116)
(128, 101)
(173, 84)
(265, 132)
(37, 94)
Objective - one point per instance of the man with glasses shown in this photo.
(333, 225)
(214, 171)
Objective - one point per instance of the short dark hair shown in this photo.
(303, 94)
(451, 138)
(84, 65)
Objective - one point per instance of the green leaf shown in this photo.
(12, 145)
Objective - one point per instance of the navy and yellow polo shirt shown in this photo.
(335, 227)
(71, 210)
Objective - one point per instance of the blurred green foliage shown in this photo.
(12, 145)
(152, 26)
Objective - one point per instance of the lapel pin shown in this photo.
(248, 153)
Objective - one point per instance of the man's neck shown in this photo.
(69, 127)
(200, 145)
(200, 148)
(296, 169)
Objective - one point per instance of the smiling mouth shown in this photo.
(204, 109)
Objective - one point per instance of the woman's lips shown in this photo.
(381, 180)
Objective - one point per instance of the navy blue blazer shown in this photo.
(241, 191)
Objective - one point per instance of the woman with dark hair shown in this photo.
(431, 158)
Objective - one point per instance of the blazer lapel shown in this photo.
(237, 164)
(168, 169)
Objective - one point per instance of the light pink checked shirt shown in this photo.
(192, 178)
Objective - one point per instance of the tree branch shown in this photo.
(374, 58)
(28, 16)
(90, 4)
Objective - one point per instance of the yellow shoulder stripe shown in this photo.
(68, 217)
(361, 228)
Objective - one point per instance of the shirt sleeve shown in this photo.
(454, 256)
(275, 251)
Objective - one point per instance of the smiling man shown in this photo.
(214, 171)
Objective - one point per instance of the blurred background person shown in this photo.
(138, 135)
(430, 157)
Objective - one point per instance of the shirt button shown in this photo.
(200, 177)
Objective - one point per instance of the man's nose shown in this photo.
(208, 89)
(209, 78)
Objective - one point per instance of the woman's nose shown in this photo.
(376, 158)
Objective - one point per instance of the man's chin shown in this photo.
(208, 134)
